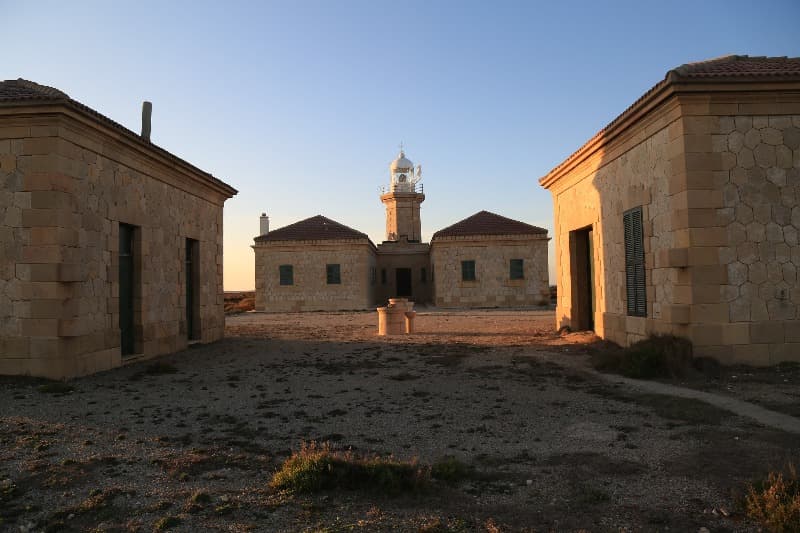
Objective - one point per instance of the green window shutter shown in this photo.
(333, 274)
(634, 262)
(516, 269)
(468, 270)
(286, 274)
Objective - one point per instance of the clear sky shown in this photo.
(301, 105)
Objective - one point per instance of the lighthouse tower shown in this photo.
(403, 201)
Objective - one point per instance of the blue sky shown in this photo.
(301, 105)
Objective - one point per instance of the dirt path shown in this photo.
(743, 408)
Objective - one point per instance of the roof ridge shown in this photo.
(683, 69)
(488, 223)
(317, 227)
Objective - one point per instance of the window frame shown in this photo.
(282, 269)
(516, 274)
(471, 270)
(333, 274)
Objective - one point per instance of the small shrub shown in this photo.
(450, 470)
(317, 467)
(659, 356)
(775, 501)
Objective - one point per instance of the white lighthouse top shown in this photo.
(404, 176)
(401, 162)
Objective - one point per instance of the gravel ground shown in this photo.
(552, 448)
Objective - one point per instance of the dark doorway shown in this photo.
(192, 290)
(126, 289)
(582, 277)
(403, 282)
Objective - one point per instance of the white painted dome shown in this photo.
(401, 162)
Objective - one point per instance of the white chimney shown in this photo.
(264, 224)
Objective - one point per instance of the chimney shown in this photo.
(147, 113)
(264, 224)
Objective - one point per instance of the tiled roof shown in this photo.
(21, 92)
(731, 68)
(312, 229)
(486, 223)
(740, 66)
(27, 90)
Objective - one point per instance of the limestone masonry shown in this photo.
(682, 215)
(483, 261)
(111, 246)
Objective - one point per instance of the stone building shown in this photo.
(110, 247)
(490, 261)
(483, 261)
(682, 215)
(312, 265)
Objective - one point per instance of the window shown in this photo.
(373, 275)
(383, 276)
(634, 262)
(333, 274)
(423, 275)
(516, 270)
(287, 274)
(467, 270)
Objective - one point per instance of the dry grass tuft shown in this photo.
(318, 467)
(775, 501)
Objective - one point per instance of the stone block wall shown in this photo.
(310, 290)
(492, 286)
(66, 183)
(637, 170)
(755, 162)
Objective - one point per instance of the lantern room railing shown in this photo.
(403, 187)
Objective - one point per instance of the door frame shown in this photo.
(130, 294)
(581, 251)
(192, 273)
